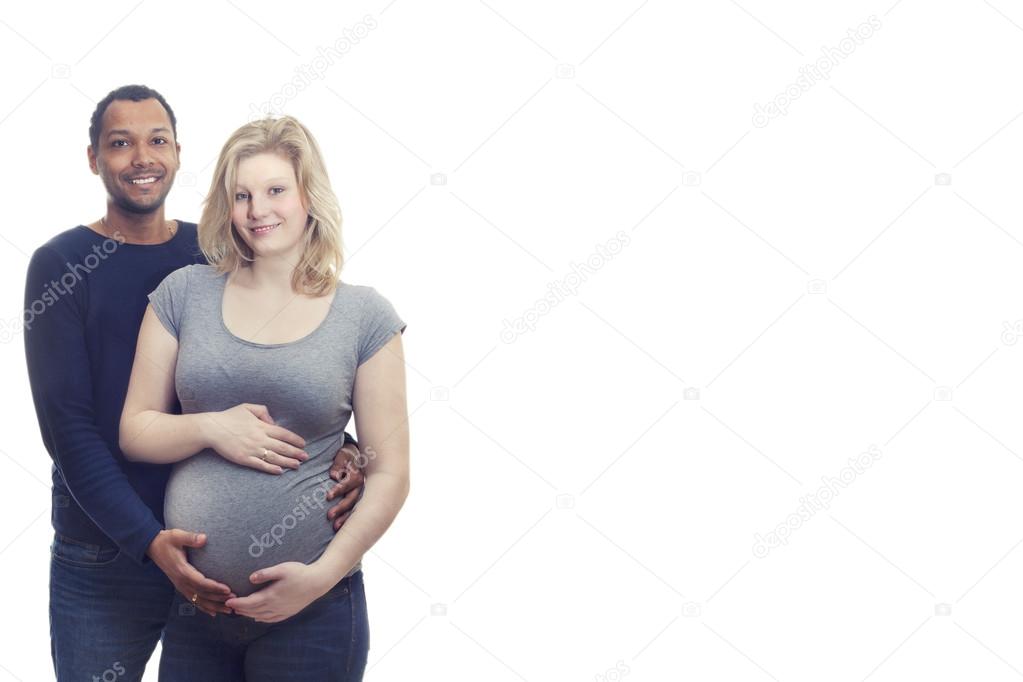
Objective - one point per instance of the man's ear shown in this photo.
(92, 160)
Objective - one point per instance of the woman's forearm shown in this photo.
(380, 409)
(161, 438)
(383, 498)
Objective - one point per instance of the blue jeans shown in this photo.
(106, 612)
(328, 640)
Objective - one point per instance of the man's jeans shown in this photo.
(327, 640)
(106, 612)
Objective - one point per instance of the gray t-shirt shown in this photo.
(253, 519)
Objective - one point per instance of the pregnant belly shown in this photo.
(252, 520)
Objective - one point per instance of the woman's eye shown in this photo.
(276, 190)
(241, 196)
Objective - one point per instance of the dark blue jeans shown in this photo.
(106, 612)
(328, 640)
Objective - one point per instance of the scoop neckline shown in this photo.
(172, 240)
(255, 344)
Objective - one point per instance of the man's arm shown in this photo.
(58, 370)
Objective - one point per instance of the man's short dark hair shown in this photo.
(134, 93)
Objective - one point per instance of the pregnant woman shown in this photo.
(270, 323)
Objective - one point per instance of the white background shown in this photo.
(846, 276)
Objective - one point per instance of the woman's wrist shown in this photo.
(324, 576)
(205, 424)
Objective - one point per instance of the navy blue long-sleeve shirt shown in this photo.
(85, 297)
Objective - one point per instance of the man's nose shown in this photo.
(143, 156)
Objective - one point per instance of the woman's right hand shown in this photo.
(246, 434)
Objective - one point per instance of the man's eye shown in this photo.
(118, 143)
(160, 140)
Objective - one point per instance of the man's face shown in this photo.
(137, 155)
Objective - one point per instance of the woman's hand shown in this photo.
(247, 435)
(295, 586)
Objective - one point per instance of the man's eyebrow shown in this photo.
(127, 133)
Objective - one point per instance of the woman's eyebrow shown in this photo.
(269, 181)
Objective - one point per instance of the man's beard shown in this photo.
(129, 206)
(126, 204)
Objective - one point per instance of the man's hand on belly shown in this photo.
(167, 550)
(347, 470)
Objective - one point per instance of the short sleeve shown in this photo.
(378, 325)
(168, 299)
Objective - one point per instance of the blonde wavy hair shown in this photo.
(318, 270)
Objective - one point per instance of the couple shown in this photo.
(267, 354)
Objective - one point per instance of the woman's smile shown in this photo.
(264, 229)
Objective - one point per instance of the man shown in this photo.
(114, 568)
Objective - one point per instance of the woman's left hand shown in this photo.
(293, 587)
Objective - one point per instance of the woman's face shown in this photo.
(267, 206)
